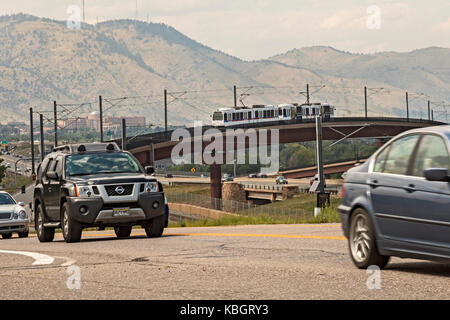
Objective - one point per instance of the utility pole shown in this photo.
(124, 134)
(165, 109)
(407, 106)
(319, 154)
(32, 141)
(100, 105)
(235, 96)
(84, 17)
(365, 101)
(41, 129)
(55, 118)
(429, 110)
(432, 115)
(323, 198)
(307, 93)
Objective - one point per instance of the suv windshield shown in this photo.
(6, 199)
(86, 164)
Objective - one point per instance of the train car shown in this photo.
(226, 117)
(286, 112)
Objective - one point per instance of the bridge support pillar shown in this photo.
(216, 185)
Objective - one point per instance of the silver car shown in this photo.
(398, 202)
(13, 217)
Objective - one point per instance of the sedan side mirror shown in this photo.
(149, 170)
(52, 175)
(21, 204)
(436, 174)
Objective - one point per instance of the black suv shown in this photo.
(96, 185)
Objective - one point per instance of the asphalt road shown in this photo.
(242, 262)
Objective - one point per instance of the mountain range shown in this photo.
(130, 63)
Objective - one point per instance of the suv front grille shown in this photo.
(5, 215)
(112, 190)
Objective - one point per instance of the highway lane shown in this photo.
(239, 262)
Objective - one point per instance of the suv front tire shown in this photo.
(44, 234)
(156, 227)
(123, 231)
(71, 229)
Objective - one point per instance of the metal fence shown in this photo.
(248, 209)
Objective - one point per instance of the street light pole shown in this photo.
(55, 117)
(41, 130)
(124, 134)
(32, 141)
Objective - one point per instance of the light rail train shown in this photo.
(225, 117)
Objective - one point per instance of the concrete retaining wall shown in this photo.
(200, 211)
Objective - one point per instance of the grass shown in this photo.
(299, 209)
(303, 201)
(12, 185)
(200, 189)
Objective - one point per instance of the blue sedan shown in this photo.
(398, 202)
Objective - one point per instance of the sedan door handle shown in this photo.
(373, 183)
(410, 188)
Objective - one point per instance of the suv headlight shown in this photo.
(151, 187)
(83, 191)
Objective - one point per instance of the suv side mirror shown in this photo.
(436, 174)
(149, 170)
(52, 175)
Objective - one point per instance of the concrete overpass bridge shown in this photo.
(157, 146)
(329, 168)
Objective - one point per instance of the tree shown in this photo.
(2, 170)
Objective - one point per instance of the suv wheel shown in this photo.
(362, 242)
(123, 232)
(156, 227)
(6, 236)
(71, 229)
(44, 234)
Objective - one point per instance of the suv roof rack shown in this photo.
(88, 147)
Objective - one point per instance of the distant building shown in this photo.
(92, 122)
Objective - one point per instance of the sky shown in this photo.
(258, 29)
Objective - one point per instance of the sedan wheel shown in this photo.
(362, 242)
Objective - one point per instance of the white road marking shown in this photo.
(68, 261)
(39, 258)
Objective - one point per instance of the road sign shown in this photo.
(4, 142)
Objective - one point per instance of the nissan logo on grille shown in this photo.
(119, 190)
